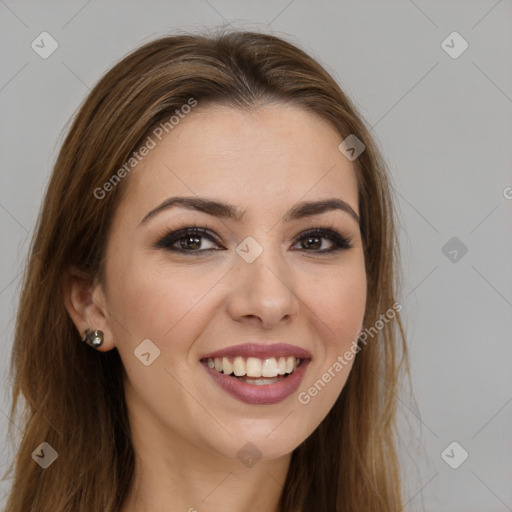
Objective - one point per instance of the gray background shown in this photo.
(445, 128)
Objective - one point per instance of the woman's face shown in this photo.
(256, 288)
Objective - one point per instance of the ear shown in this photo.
(85, 302)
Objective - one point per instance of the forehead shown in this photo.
(257, 158)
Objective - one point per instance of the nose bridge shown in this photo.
(264, 282)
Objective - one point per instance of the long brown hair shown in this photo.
(73, 396)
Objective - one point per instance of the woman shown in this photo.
(208, 318)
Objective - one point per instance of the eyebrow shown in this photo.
(219, 209)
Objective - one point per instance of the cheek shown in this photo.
(339, 302)
(338, 306)
(166, 305)
(150, 301)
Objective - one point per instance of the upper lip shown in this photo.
(260, 351)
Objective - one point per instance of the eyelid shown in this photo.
(340, 242)
(191, 230)
(329, 233)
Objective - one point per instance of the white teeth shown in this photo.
(253, 367)
(239, 367)
(268, 368)
(227, 367)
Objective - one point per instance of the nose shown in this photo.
(263, 291)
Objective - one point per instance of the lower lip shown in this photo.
(260, 395)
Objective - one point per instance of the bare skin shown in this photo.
(187, 430)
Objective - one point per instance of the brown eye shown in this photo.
(193, 240)
(312, 240)
(187, 240)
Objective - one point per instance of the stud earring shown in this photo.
(93, 338)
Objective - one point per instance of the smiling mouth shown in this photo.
(253, 370)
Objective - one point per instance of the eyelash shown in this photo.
(339, 242)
